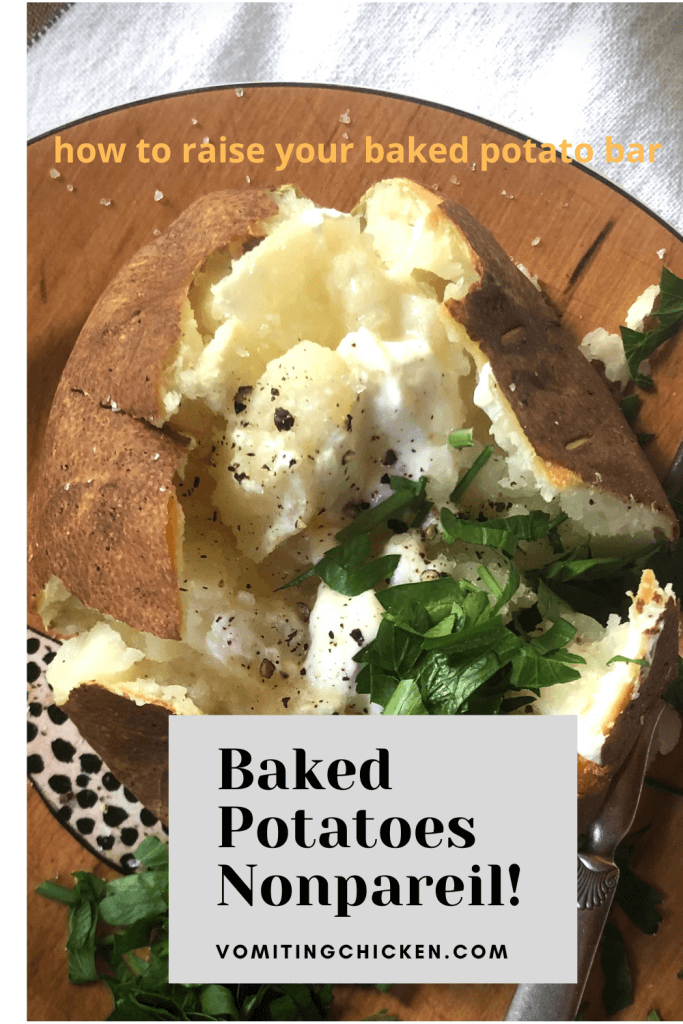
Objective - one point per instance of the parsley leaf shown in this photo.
(406, 700)
(346, 568)
(638, 345)
(598, 587)
(503, 534)
(82, 902)
(629, 406)
(467, 478)
(406, 493)
(136, 909)
(533, 671)
(578, 564)
(670, 299)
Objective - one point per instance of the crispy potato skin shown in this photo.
(556, 395)
(132, 740)
(99, 515)
(99, 519)
(129, 337)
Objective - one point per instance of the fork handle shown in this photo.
(561, 1002)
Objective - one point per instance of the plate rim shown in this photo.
(383, 93)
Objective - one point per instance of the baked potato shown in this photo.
(248, 384)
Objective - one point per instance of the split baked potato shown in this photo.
(250, 382)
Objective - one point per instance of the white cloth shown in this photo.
(550, 71)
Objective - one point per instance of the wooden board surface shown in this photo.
(597, 252)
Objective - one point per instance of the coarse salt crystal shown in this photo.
(54, 173)
(156, 232)
(661, 253)
(345, 135)
(69, 188)
(158, 195)
(248, 180)
(67, 486)
(162, 489)
(105, 202)
(239, 92)
(193, 120)
(513, 387)
(155, 457)
(205, 139)
(453, 180)
(536, 240)
(344, 118)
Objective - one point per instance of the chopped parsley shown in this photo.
(135, 910)
(503, 534)
(461, 439)
(346, 568)
(442, 648)
(467, 478)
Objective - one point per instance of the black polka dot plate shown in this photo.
(73, 780)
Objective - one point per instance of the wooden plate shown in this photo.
(592, 247)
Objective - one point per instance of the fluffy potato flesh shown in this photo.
(310, 370)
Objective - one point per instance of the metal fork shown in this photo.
(597, 881)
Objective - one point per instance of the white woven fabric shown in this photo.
(551, 71)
